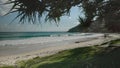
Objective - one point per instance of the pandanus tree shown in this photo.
(31, 10)
(54, 9)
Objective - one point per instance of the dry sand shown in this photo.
(10, 60)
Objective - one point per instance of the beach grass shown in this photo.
(7, 66)
(117, 41)
(85, 57)
(65, 59)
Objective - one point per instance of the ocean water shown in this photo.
(23, 35)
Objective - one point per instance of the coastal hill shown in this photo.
(97, 26)
(110, 25)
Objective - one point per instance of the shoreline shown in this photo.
(10, 60)
(13, 47)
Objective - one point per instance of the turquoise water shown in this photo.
(21, 35)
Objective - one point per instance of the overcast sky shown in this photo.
(65, 23)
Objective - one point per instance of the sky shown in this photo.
(65, 23)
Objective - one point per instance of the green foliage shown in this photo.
(7, 67)
(117, 41)
(32, 10)
(65, 59)
(86, 57)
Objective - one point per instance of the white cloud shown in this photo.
(4, 8)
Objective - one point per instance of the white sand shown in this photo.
(45, 46)
(38, 40)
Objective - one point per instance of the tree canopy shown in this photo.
(31, 10)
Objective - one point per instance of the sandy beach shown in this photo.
(17, 50)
